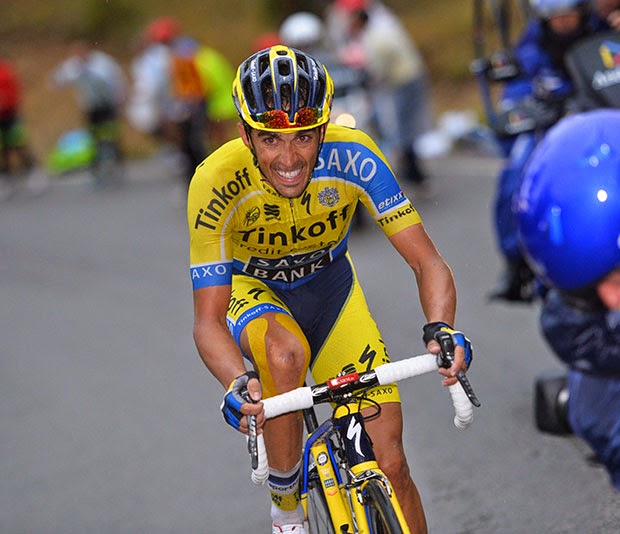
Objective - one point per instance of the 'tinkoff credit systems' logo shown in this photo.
(610, 56)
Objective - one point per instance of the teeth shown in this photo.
(289, 175)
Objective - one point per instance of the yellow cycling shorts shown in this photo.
(333, 314)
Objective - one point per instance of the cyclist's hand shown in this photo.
(240, 401)
(463, 352)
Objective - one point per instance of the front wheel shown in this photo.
(319, 519)
(382, 518)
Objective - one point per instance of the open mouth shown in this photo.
(290, 177)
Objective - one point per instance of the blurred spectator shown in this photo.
(100, 88)
(168, 97)
(181, 94)
(337, 17)
(16, 156)
(305, 31)
(187, 111)
(398, 82)
(12, 133)
(150, 98)
(217, 74)
(265, 40)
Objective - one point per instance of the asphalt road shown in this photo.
(109, 422)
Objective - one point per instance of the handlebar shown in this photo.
(339, 387)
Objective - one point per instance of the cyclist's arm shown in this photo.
(435, 282)
(215, 343)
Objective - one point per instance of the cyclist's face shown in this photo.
(286, 160)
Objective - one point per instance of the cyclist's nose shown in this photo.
(288, 156)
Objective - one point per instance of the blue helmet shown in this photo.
(568, 209)
(281, 89)
(545, 9)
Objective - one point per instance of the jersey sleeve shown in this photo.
(209, 213)
(354, 155)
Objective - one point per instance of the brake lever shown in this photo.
(445, 358)
(252, 432)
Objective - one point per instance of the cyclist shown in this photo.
(544, 80)
(269, 215)
(569, 223)
(399, 86)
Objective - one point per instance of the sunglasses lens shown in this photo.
(277, 119)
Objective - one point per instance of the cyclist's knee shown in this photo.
(280, 351)
(394, 464)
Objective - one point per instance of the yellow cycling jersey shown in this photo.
(239, 224)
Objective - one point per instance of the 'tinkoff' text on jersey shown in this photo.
(238, 224)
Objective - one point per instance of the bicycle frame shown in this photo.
(343, 480)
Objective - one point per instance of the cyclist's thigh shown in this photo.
(257, 318)
(354, 344)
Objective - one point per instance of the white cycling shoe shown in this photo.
(290, 529)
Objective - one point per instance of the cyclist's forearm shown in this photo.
(434, 278)
(437, 292)
(219, 352)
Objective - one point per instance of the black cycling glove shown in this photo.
(431, 329)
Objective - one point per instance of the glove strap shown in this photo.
(248, 375)
(431, 329)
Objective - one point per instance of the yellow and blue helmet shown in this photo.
(281, 89)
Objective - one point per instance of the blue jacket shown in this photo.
(540, 61)
(582, 333)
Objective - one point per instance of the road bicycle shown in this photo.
(343, 490)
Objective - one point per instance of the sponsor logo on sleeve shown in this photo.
(210, 274)
(397, 214)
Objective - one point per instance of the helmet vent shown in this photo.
(263, 64)
(284, 68)
(266, 90)
(320, 94)
(249, 93)
(285, 98)
(302, 63)
(303, 92)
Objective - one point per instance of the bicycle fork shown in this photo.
(345, 500)
(362, 464)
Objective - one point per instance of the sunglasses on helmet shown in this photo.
(276, 119)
